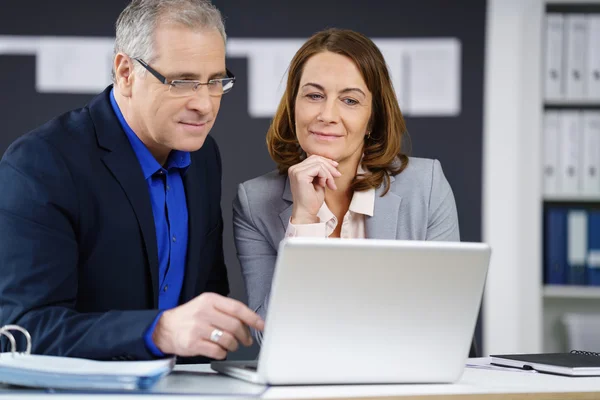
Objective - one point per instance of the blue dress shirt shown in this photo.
(169, 207)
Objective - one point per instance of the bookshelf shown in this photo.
(573, 103)
(520, 312)
(559, 300)
(582, 198)
(571, 292)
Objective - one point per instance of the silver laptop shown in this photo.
(348, 311)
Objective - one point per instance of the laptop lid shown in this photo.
(371, 311)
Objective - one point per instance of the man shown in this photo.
(110, 215)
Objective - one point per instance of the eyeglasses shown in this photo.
(185, 87)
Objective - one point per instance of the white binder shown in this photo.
(551, 136)
(576, 48)
(32, 370)
(577, 221)
(591, 154)
(554, 71)
(593, 57)
(570, 151)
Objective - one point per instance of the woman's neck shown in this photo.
(341, 197)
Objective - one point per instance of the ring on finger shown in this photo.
(216, 335)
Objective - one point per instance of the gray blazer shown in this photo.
(419, 206)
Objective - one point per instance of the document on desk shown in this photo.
(198, 380)
(49, 372)
(485, 363)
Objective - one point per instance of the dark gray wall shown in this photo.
(455, 141)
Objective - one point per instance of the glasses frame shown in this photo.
(165, 81)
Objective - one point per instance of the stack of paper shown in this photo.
(76, 373)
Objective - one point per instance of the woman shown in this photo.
(336, 139)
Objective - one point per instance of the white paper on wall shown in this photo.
(73, 65)
(425, 73)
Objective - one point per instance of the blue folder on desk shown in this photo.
(75, 373)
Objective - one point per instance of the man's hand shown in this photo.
(186, 330)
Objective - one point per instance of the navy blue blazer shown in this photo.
(78, 253)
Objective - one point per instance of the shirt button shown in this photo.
(174, 238)
(166, 288)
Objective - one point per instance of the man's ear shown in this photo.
(124, 76)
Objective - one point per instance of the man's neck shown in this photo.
(158, 152)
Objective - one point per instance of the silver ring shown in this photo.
(216, 335)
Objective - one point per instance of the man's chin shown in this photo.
(191, 145)
(190, 138)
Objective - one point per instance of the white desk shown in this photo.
(475, 384)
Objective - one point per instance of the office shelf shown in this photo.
(572, 199)
(572, 292)
(514, 201)
(573, 103)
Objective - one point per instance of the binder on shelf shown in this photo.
(551, 136)
(590, 170)
(569, 155)
(32, 370)
(555, 246)
(593, 57)
(577, 247)
(576, 34)
(593, 259)
(554, 69)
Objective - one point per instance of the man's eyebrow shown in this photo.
(218, 75)
(183, 75)
(195, 77)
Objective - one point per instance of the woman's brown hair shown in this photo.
(382, 151)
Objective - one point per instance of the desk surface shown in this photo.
(476, 383)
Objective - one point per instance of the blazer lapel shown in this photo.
(124, 166)
(384, 222)
(126, 169)
(286, 214)
(194, 181)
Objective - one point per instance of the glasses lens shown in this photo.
(181, 88)
(215, 87)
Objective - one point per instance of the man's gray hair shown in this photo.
(138, 22)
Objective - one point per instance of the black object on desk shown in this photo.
(575, 363)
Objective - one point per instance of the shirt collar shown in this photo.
(363, 202)
(177, 159)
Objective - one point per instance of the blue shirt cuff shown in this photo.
(148, 338)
